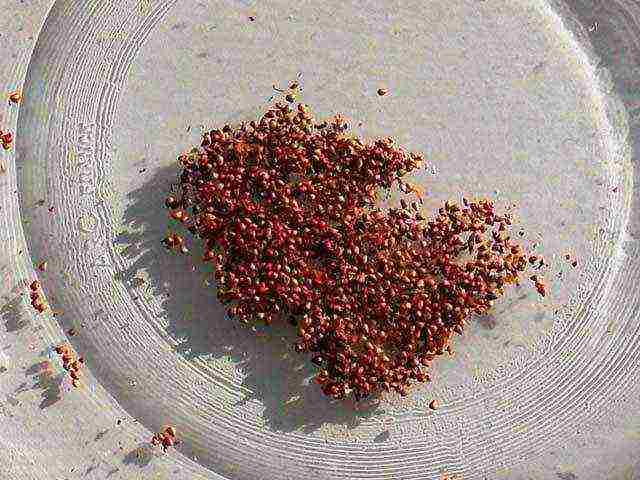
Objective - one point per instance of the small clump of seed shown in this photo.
(571, 259)
(35, 293)
(71, 363)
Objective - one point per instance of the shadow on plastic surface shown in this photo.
(140, 456)
(13, 316)
(48, 381)
(275, 375)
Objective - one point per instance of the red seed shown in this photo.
(15, 97)
(171, 202)
(169, 430)
(288, 218)
(168, 441)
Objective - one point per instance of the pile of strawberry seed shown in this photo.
(287, 211)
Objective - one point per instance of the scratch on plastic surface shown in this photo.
(610, 327)
(503, 472)
(59, 102)
(144, 7)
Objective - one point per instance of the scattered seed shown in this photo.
(166, 438)
(15, 97)
(71, 363)
(382, 91)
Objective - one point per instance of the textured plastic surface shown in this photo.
(520, 101)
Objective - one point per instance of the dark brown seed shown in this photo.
(171, 202)
(15, 97)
